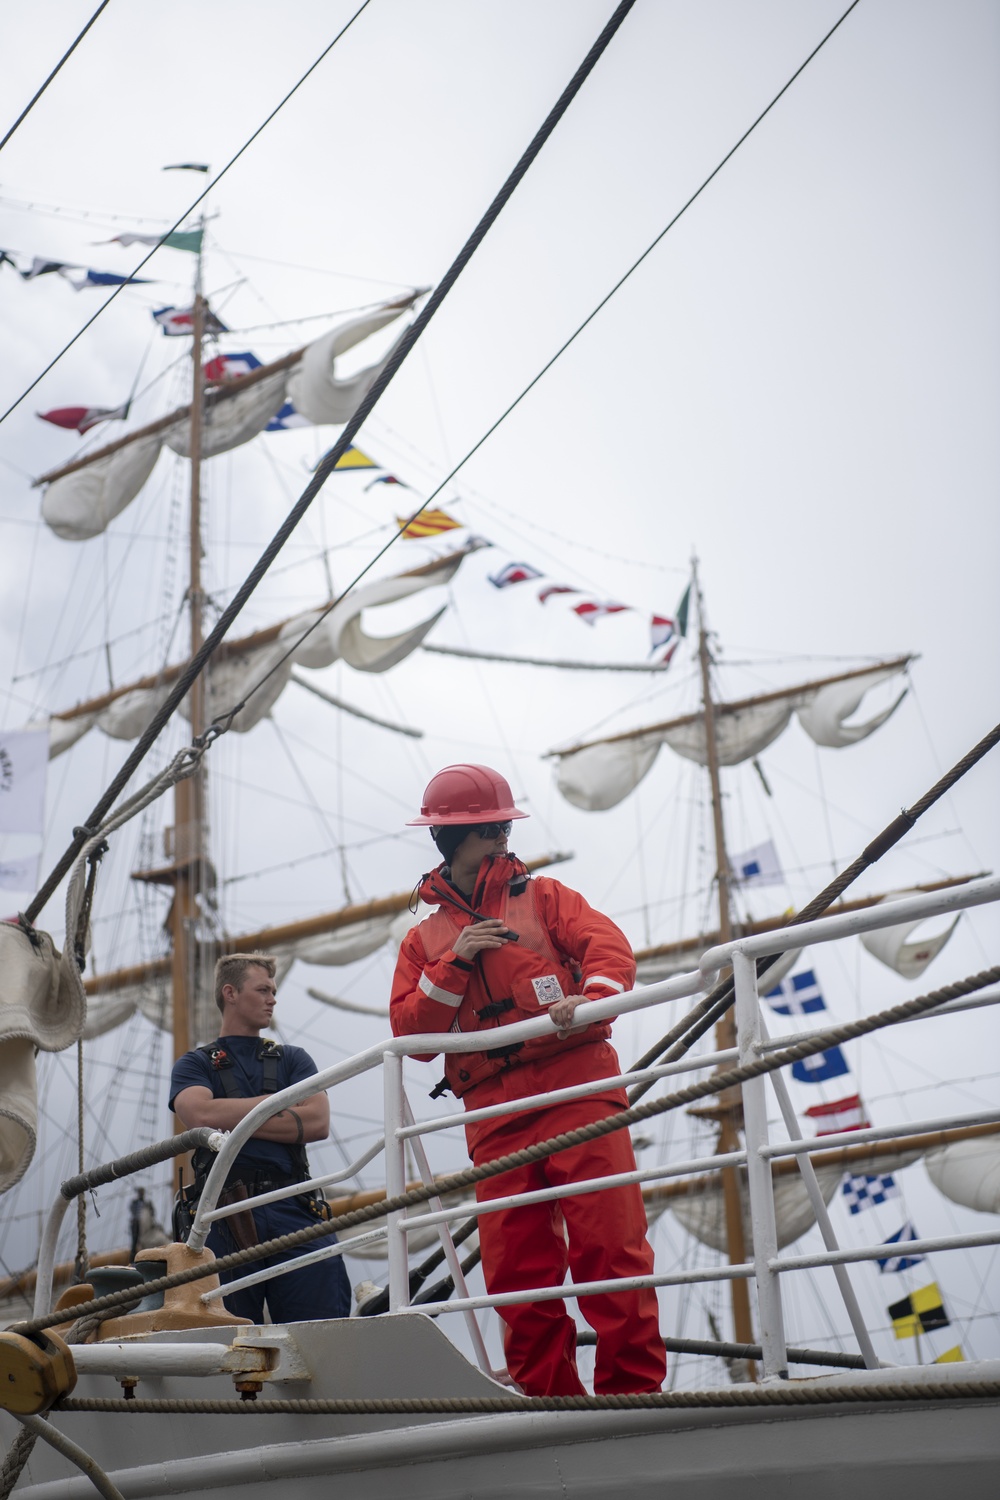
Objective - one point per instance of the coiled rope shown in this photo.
(703, 1088)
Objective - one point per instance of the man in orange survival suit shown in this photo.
(503, 947)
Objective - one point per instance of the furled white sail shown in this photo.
(127, 717)
(703, 1213)
(313, 387)
(602, 774)
(823, 716)
(968, 1172)
(80, 505)
(106, 1012)
(230, 680)
(232, 421)
(63, 733)
(41, 1008)
(339, 635)
(739, 735)
(345, 946)
(891, 945)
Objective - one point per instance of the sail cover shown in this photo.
(892, 947)
(703, 1214)
(600, 775)
(968, 1172)
(80, 505)
(338, 635)
(41, 1008)
(232, 421)
(315, 390)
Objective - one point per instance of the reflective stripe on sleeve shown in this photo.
(612, 984)
(434, 992)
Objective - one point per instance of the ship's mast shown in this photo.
(188, 838)
(729, 1109)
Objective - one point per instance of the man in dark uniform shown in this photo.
(218, 1085)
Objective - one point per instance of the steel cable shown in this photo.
(40, 91)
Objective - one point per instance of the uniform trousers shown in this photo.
(596, 1236)
(321, 1290)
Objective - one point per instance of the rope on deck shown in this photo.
(770, 1395)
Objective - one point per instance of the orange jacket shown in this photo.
(564, 947)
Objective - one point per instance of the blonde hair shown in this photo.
(232, 968)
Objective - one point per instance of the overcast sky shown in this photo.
(800, 383)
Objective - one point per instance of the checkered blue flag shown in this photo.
(868, 1192)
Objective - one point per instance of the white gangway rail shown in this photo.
(765, 1265)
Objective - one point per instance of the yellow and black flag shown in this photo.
(920, 1312)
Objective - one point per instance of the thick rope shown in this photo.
(14, 1460)
(806, 1394)
(701, 1017)
(704, 1088)
(361, 413)
(82, 1258)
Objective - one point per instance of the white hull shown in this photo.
(898, 1450)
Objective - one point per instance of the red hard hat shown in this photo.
(466, 794)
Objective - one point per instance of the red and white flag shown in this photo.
(81, 418)
(590, 611)
(839, 1114)
(514, 573)
(550, 590)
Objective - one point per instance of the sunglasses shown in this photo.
(494, 830)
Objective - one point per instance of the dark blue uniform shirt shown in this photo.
(195, 1069)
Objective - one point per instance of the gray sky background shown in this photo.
(800, 383)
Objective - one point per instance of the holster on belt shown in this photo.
(241, 1226)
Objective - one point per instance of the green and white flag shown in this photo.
(181, 239)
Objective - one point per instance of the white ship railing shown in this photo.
(765, 1265)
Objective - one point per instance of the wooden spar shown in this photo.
(735, 706)
(730, 1103)
(842, 1156)
(263, 637)
(705, 940)
(221, 393)
(276, 937)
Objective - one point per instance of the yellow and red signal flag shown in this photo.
(427, 523)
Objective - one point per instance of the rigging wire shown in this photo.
(326, 467)
(189, 210)
(41, 90)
